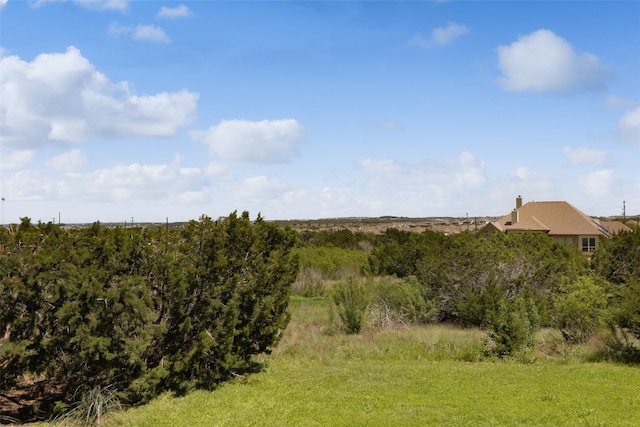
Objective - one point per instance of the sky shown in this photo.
(124, 110)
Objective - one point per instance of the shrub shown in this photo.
(142, 311)
(512, 327)
(351, 299)
(579, 308)
(399, 303)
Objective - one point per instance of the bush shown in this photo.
(142, 311)
(578, 310)
(399, 303)
(512, 328)
(351, 299)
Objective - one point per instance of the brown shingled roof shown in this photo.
(556, 218)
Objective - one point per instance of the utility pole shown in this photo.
(624, 209)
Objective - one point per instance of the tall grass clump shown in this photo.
(309, 283)
(90, 405)
(351, 299)
(333, 263)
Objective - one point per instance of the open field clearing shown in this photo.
(429, 375)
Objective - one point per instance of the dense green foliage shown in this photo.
(510, 284)
(579, 308)
(618, 261)
(467, 276)
(142, 310)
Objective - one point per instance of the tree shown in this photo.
(142, 311)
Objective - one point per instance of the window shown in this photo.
(588, 244)
(565, 240)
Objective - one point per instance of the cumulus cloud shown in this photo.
(62, 97)
(3, 3)
(16, 159)
(266, 141)
(598, 183)
(584, 156)
(419, 187)
(117, 183)
(441, 36)
(542, 61)
(67, 162)
(151, 33)
(258, 190)
(629, 127)
(180, 11)
(445, 35)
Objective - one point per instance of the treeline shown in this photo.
(511, 284)
(137, 310)
(145, 310)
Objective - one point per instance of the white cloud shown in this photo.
(121, 182)
(266, 141)
(629, 127)
(151, 33)
(441, 36)
(104, 4)
(67, 162)
(62, 97)
(16, 159)
(217, 170)
(584, 156)
(598, 184)
(445, 35)
(3, 3)
(180, 11)
(141, 32)
(99, 5)
(117, 30)
(415, 188)
(258, 190)
(542, 61)
(521, 173)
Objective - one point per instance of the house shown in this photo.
(558, 220)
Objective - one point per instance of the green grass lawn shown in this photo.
(405, 377)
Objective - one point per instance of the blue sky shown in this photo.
(113, 109)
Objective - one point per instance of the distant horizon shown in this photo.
(253, 217)
(316, 109)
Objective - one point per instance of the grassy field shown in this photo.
(433, 375)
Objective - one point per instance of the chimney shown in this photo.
(514, 216)
(518, 202)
